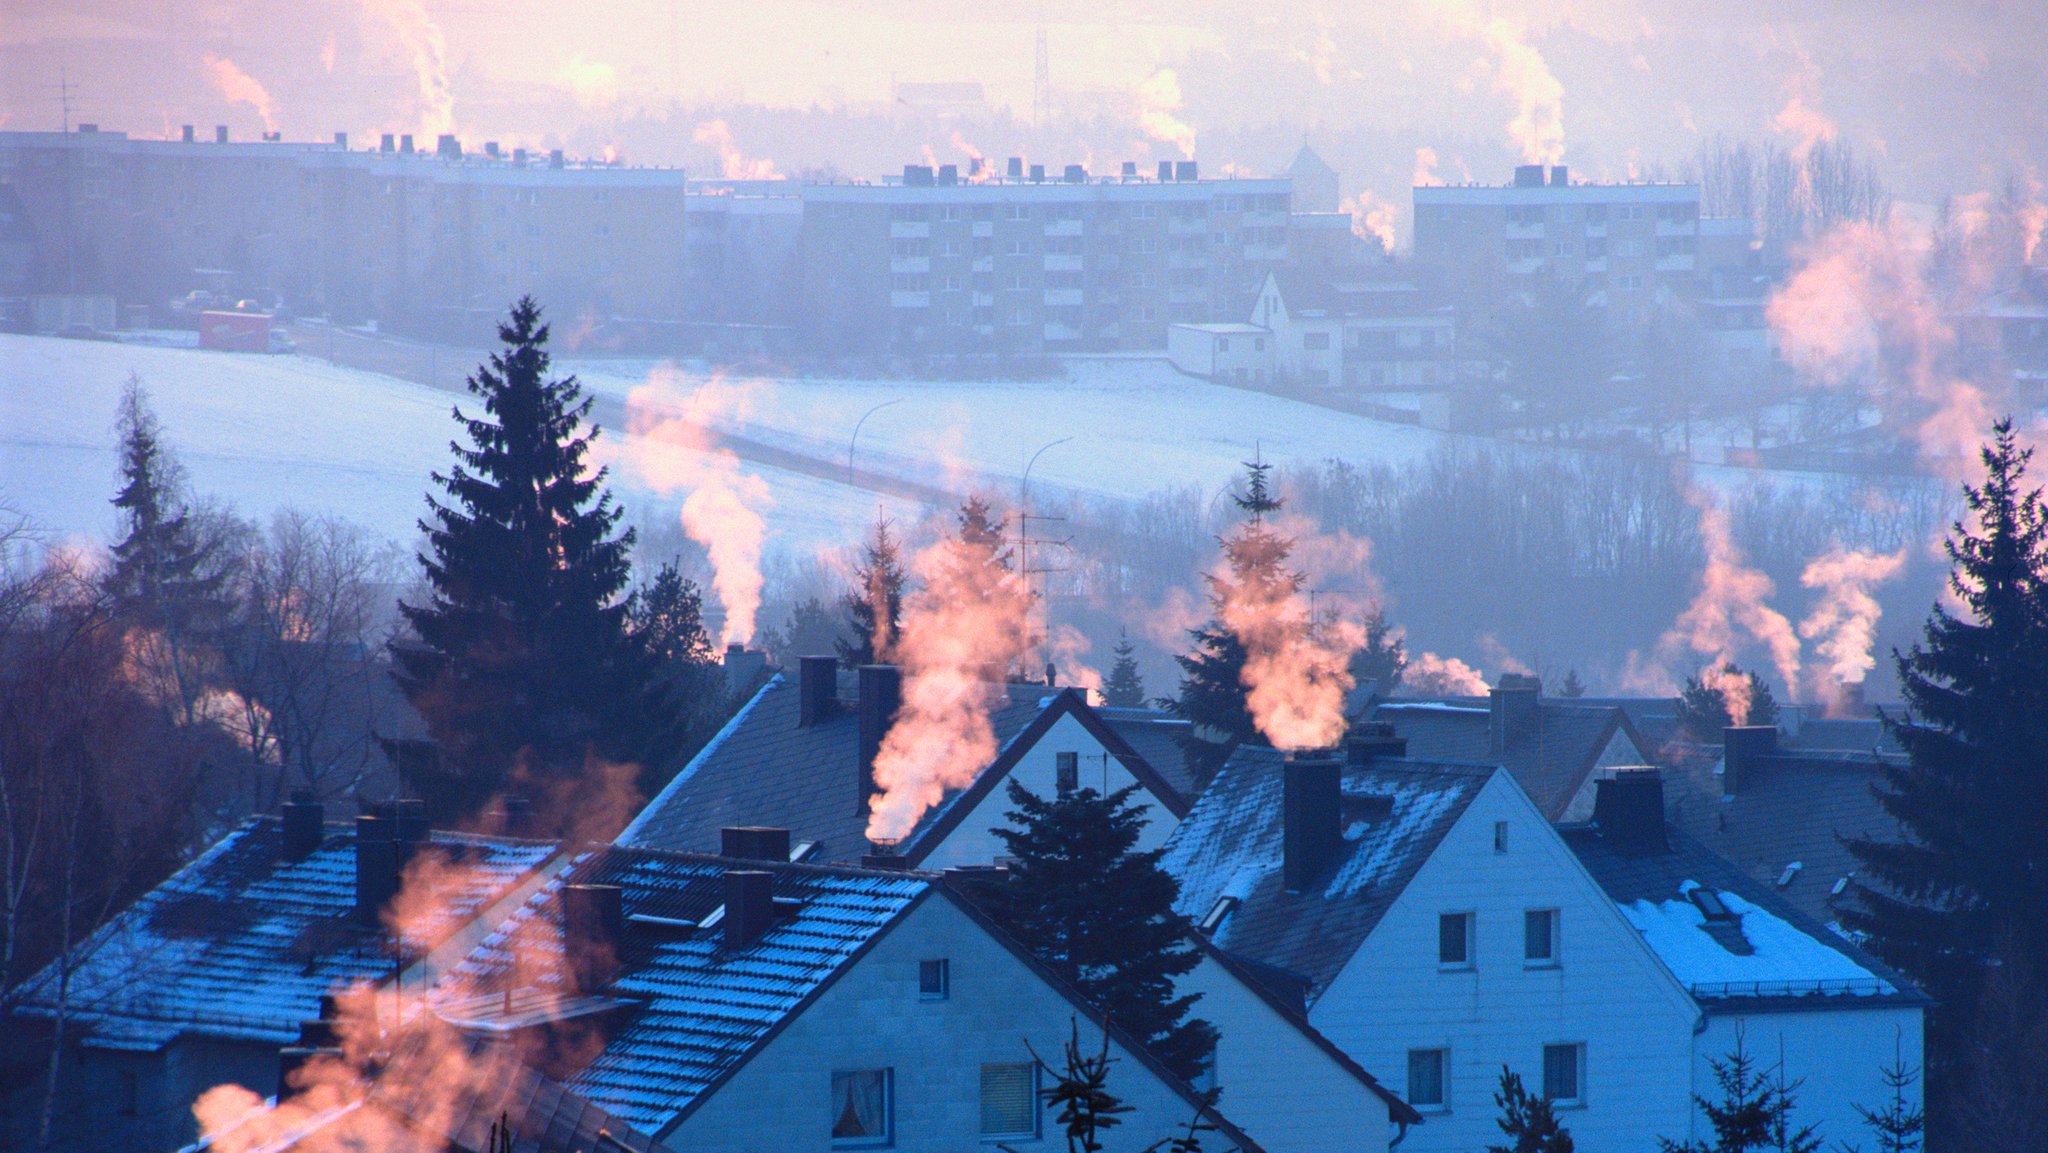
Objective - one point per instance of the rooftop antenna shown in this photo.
(1041, 83)
(64, 90)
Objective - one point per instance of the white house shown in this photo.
(1433, 923)
(1236, 353)
(800, 756)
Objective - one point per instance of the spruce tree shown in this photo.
(1968, 878)
(812, 629)
(1099, 912)
(520, 661)
(1383, 658)
(667, 618)
(985, 532)
(1212, 690)
(1703, 709)
(1124, 689)
(1753, 1113)
(165, 573)
(1527, 1120)
(874, 602)
(1572, 688)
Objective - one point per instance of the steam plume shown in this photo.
(1070, 648)
(1521, 74)
(428, 49)
(1158, 100)
(723, 509)
(239, 87)
(1435, 676)
(734, 163)
(966, 623)
(1371, 218)
(1297, 665)
(1845, 620)
(594, 84)
(1425, 167)
(1731, 599)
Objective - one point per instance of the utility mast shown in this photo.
(1041, 84)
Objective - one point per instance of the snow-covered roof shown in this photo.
(1550, 756)
(241, 943)
(1230, 847)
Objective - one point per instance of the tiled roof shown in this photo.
(1157, 737)
(765, 769)
(702, 1008)
(241, 944)
(1549, 758)
(1773, 955)
(1229, 846)
(1794, 809)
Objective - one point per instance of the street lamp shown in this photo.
(1024, 525)
(851, 440)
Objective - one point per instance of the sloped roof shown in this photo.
(1307, 163)
(1781, 959)
(1794, 809)
(1230, 846)
(765, 769)
(241, 944)
(1550, 758)
(1156, 737)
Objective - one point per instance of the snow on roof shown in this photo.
(1781, 958)
(241, 944)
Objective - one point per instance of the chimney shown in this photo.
(491, 149)
(749, 906)
(1629, 808)
(515, 815)
(189, 135)
(220, 134)
(304, 826)
(885, 857)
(917, 176)
(593, 927)
(88, 129)
(742, 668)
(1016, 168)
(1185, 170)
(387, 143)
(881, 692)
(949, 174)
(1511, 710)
(1038, 174)
(1528, 176)
(1165, 171)
(405, 143)
(447, 147)
(1369, 742)
(319, 1032)
(817, 680)
(291, 1059)
(1743, 748)
(555, 159)
(408, 826)
(976, 166)
(341, 141)
(1560, 177)
(519, 157)
(1130, 170)
(1076, 174)
(1311, 818)
(753, 843)
(376, 866)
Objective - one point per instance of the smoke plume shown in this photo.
(1521, 75)
(1158, 100)
(1297, 656)
(677, 449)
(239, 87)
(1425, 167)
(1070, 648)
(1844, 622)
(594, 84)
(731, 161)
(964, 626)
(1371, 218)
(1732, 602)
(428, 50)
(1430, 675)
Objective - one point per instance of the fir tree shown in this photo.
(1124, 689)
(874, 604)
(1754, 1112)
(1527, 1120)
(1099, 913)
(1703, 705)
(812, 630)
(1968, 879)
(1079, 1097)
(165, 573)
(1899, 1124)
(984, 532)
(522, 664)
(1572, 688)
(1212, 691)
(1382, 660)
(667, 618)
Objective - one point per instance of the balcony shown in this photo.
(1063, 228)
(984, 228)
(910, 300)
(910, 230)
(910, 264)
(1059, 297)
(1062, 262)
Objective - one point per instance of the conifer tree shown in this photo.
(1212, 690)
(1528, 1120)
(985, 532)
(1572, 688)
(667, 617)
(1124, 689)
(1703, 709)
(1383, 658)
(874, 603)
(1099, 912)
(1753, 1113)
(521, 663)
(1968, 879)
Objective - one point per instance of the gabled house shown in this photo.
(1554, 749)
(1429, 919)
(800, 755)
(741, 1002)
(204, 977)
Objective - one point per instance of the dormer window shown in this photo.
(1709, 904)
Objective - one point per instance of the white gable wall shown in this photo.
(973, 840)
(1838, 1055)
(1620, 752)
(873, 1018)
(1608, 992)
(1282, 1089)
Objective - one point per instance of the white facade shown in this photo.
(1237, 353)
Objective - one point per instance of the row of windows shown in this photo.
(864, 1104)
(1180, 210)
(1564, 1076)
(1457, 939)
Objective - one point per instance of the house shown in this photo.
(1429, 919)
(203, 978)
(1554, 749)
(1362, 330)
(800, 755)
(741, 1002)
(1235, 353)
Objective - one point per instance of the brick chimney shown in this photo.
(754, 843)
(593, 928)
(1511, 710)
(749, 906)
(1743, 748)
(376, 866)
(1311, 818)
(881, 693)
(817, 682)
(1629, 808)
(304, 826)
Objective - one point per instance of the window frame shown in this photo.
(1577, 1049)
(943, 967)
(1031, 1110)
(1469, 961)
(1554, 943)
(1442, 1104)
(887, 1137)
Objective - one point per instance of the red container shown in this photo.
(234, 331)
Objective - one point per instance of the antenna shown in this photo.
(64, 90)
(1041, 83)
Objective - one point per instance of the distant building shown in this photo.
(1316, 184)
(1362, 330)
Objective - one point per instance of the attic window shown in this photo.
(1213, 919)
(1791, 872)
(1709, 904)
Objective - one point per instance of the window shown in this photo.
(1315, 340)
(861, 1107)
(1539, 936)
(1454, 940)
(1426, 1078)
(934, 980)
(1067, 766)
(1564, 1073)
(1710, 905)
(1009, 1100)
(1500, 836)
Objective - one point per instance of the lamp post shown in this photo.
(851, 440)
(1024, 525)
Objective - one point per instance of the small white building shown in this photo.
(1235, 353)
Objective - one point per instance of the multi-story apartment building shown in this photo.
(415, 239)
(1630, 245)
(1026, 264)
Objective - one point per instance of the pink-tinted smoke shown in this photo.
(427, 49)
(1297, 654)
(1844, 621)
(1430, 675)
(239, 87)
(1732, 608)
(735, 165)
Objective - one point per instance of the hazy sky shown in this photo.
(1934, 88)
